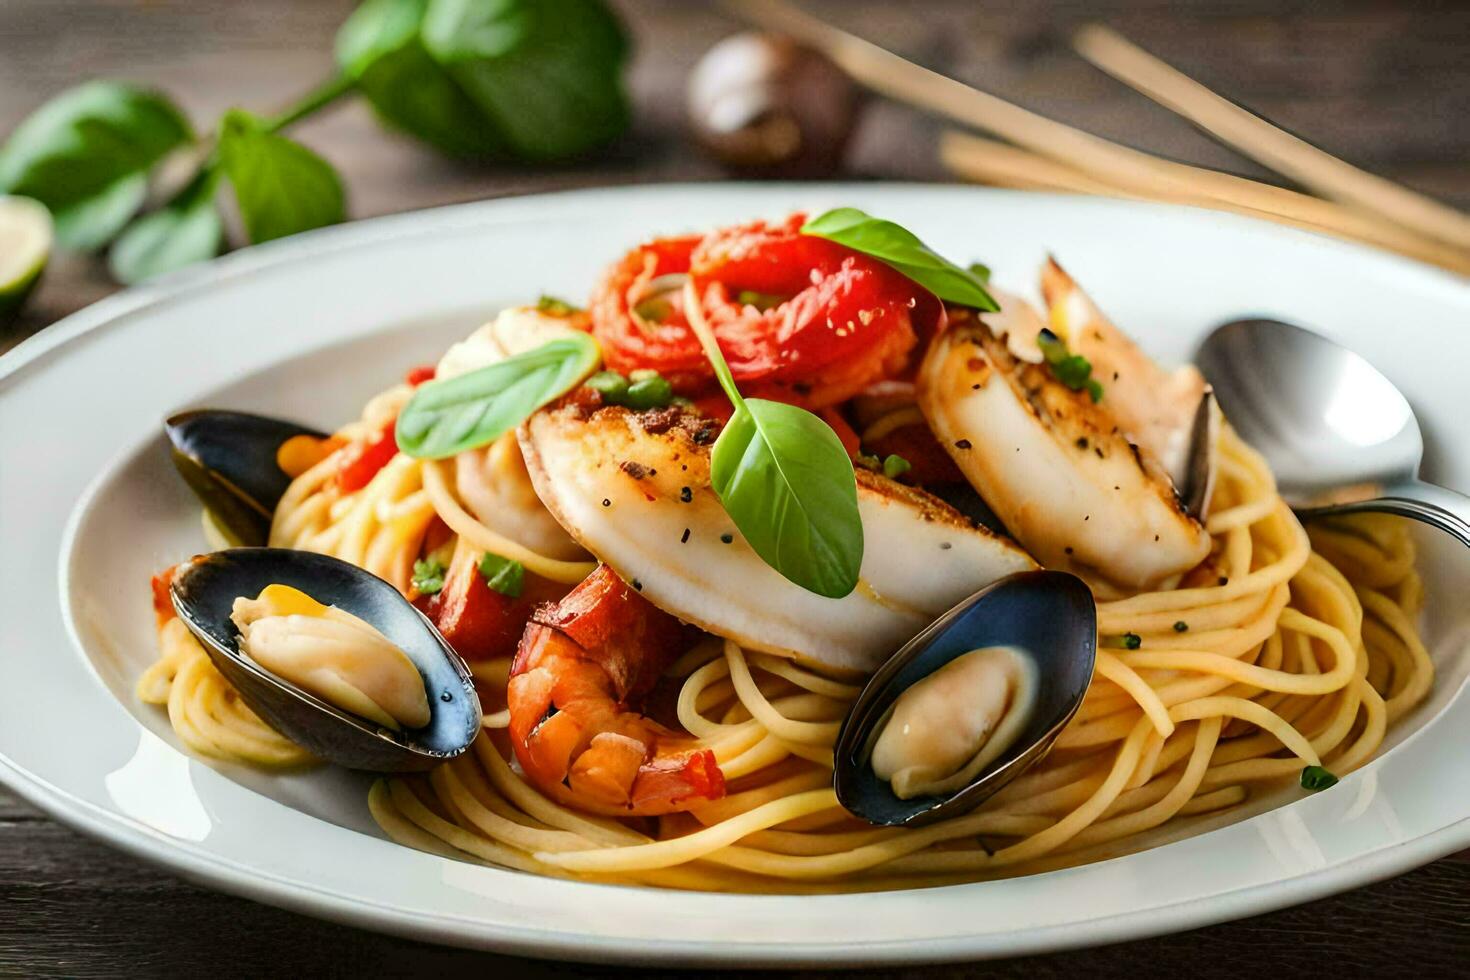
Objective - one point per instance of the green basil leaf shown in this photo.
(546, 73)
(88, 225)
(788, 485)
(447, 417)
(504, 575)
(281, 186)
(187, 230)
(85, 155)
(381, 48)
(898, 247)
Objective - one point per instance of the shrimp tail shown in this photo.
(582, 666)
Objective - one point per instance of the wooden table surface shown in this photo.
(1382, 84)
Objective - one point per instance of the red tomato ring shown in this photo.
(799, 318)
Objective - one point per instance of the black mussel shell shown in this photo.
(229, 460)
(203, 592)
(1049, 615)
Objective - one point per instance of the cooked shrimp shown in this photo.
(1155, 407)
(634, 489)
(1062, 473)
(583, 666)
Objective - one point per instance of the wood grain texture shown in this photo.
(1381, 84)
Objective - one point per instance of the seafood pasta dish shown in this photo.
(632, 587)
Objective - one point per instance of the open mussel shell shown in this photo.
(203, 592)
(229, 460)
(1050, 616)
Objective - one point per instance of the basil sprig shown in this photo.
(785, 480)
(900, 248)
(444, 418)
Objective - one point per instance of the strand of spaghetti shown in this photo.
(399, 829)
(1253, 713)
(1421, 677)
(816, 683)
(891, 422)
(448, 784)
(460, 521)
(412, 809)
(540, 808)
(700, 844)
(1125, 677)
(779, 725)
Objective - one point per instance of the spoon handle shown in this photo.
(1434, 505)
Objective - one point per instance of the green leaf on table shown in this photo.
(187, 230)
(785, 480)
(444, 418)
(86, 155)
(381, 48)
(546, 74)
(90, 224)
(281, 187)
(898, 247)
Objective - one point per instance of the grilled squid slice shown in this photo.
(634, 489)
(492, 481)
(1063, 474)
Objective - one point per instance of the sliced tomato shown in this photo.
(163, 605)
(799, 318)
(418, 375)
(362, 460)
(480, 623)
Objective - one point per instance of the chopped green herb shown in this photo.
(681, 401)
(428, 575)
(980, 271)
(611, 384)
(1131, 641)
(1316, 778)
(1072, 370)
(895, 466)
(727, 537)
(648, 393)
(556, 307)
(1181, 627)
(505, 575)
(640, 390)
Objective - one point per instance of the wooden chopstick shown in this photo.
(987, 161)
(1268, 144)
(1121, 168)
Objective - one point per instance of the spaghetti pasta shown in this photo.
(1284, 648)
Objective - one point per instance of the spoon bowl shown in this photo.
(1338, 435)
(203, 592)
(1048, 615)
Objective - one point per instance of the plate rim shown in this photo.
(194, 862)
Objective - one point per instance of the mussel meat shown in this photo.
(1047, 616)
(203, 593)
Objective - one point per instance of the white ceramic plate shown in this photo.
(89, 507)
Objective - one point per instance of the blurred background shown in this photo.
(1381, 84)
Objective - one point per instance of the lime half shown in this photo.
(25, 244)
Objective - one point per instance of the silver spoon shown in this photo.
(1339, 436)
